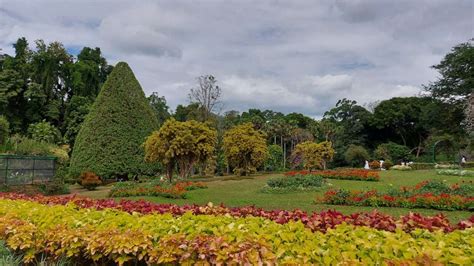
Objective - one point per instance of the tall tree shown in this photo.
(110, 141)
(159, 106)
(207, 95)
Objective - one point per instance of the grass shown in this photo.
(240, 192)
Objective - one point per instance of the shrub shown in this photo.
(110, 140)
(44, 132)
(296, 182)
(274, 161)
(387, 164)
(154, 188)
(467, 165)
(422, 166)
(54, 187)
(446, 166)
(4, 129)
(112, 237)
(392, 151)
(355, 155)
(90, 180)
(401, 168)
(348, 174)
(456, 172)
(374, 165)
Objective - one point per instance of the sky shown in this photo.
(288, 56)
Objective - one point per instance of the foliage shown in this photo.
(455, 172)
(44, 132)
(387, 165)
(156, 189)
(356, 155)
(245, 148)
(294, 182)
(76, 111)
(457, 72)
(89, 180)
(400, 167)
(275, 157)
(313, 155)
(392, 151)
(25, 146)
(446, 166)
(181, 144)
(428, 194)
(374, 165)
(159, 106)
(348, 174)
(110, 140)
(55, 187)
(108, 236)
(315, 221)
(422, 166)
(4, 130)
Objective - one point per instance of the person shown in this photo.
(366, 166)
(463, 160)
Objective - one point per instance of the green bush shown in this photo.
(54, 187)
(392, 151)
(296, 182)
(356, 155)
(110, 141)
(274, 161)
(26, 146)
(4, 130)
(44, 132)
(422, 166)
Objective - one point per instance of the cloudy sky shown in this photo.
(299, 56)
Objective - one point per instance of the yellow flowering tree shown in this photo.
(245, 148)
(313, 155)
(181, 144)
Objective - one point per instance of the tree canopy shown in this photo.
(110, 140)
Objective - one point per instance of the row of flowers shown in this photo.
(316, 221)
(88, 236)
(377, 199)
(347, 174)
(175, 191)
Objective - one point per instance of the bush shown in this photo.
(422, 166)
(155, 188)
(392, 151)
(355, 155)
(387, 165)
(4, 129)
(401, 168)
(467, 165)
(54, 187)
(44, 132)
(296, 182)
(27, 146)
(446, 166)
(90, 180)
(374, 165)
(455, 172)
(274, 161)
(110, 140)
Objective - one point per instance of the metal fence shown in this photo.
(18, 170)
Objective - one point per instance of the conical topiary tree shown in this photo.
(110, 141)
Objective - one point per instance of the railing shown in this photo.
(19, 169)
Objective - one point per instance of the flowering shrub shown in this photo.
(175, 191)
(349, 174)
(90, 180)
(374, 165)
(427, 194)
(321, 221)
(109, 236)
(401, 168)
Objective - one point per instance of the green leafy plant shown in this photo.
(44, 132)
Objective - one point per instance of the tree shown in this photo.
(181, 144)
(76, 111)
(313, 155)
(4, 129)
(206, 95)
(110, 141)
(275, 157)
(44, 132)
(158, 104)
(457, 74)
(392, 151)
(356, 155)
(470, 115)
(245, 148)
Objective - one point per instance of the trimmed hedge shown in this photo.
(110, 140)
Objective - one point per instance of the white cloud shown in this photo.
(284, 55)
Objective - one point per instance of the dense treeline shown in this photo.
(46, 93)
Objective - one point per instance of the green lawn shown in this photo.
(246, 192)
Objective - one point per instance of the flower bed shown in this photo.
(321, 221)
(427, 194)
(88, 236)
(175, 191)
(293, 183)
(456, 172)
(348, 174)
